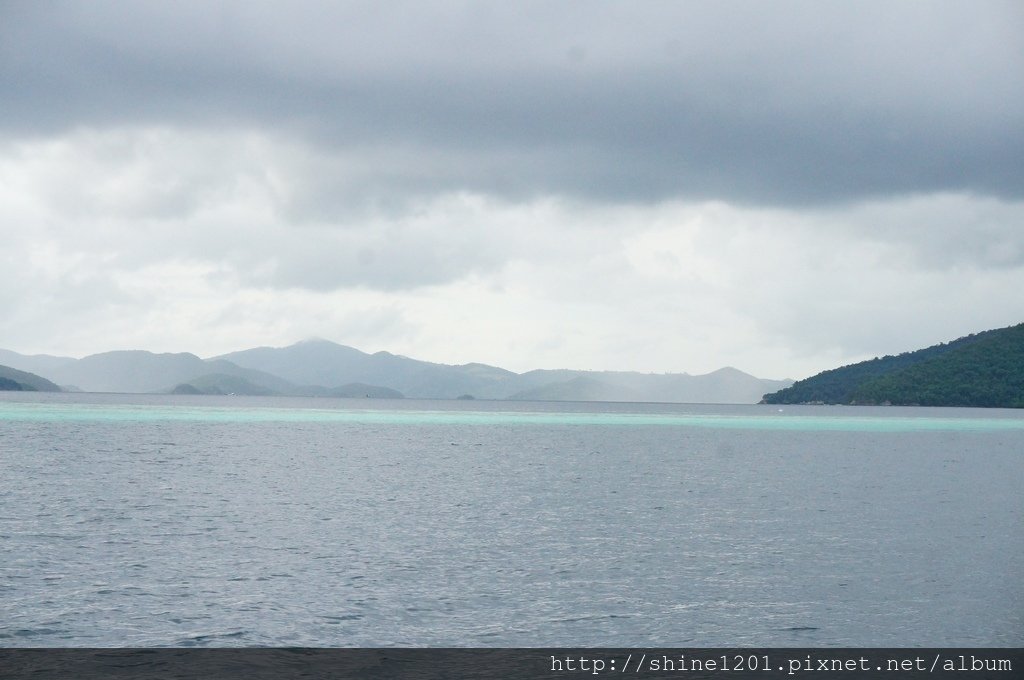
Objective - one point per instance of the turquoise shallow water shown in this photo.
(160, 520)
(356, 411)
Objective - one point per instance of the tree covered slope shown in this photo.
(15, 380)
(984, 369)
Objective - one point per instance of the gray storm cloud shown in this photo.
(780, 103)
(715, 182)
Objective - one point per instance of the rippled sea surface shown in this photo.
(132, 520)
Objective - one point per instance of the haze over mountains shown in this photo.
(324, 368)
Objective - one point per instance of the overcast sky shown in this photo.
(659, 186)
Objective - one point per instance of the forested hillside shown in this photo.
(984, 369)
(11, 379)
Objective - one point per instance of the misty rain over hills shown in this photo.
(324, 368)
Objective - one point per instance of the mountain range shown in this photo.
(324, 368)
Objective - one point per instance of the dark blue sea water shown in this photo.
(166, 520)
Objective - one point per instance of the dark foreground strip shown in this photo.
(340, 664)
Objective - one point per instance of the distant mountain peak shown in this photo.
(316, 340)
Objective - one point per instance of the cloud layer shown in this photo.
(676, 186)
(740, 101)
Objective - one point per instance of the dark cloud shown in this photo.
(783, 103)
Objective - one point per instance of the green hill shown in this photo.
(984, 369)
(8, 385)
(13, 379)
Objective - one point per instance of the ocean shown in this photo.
(158, 520)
